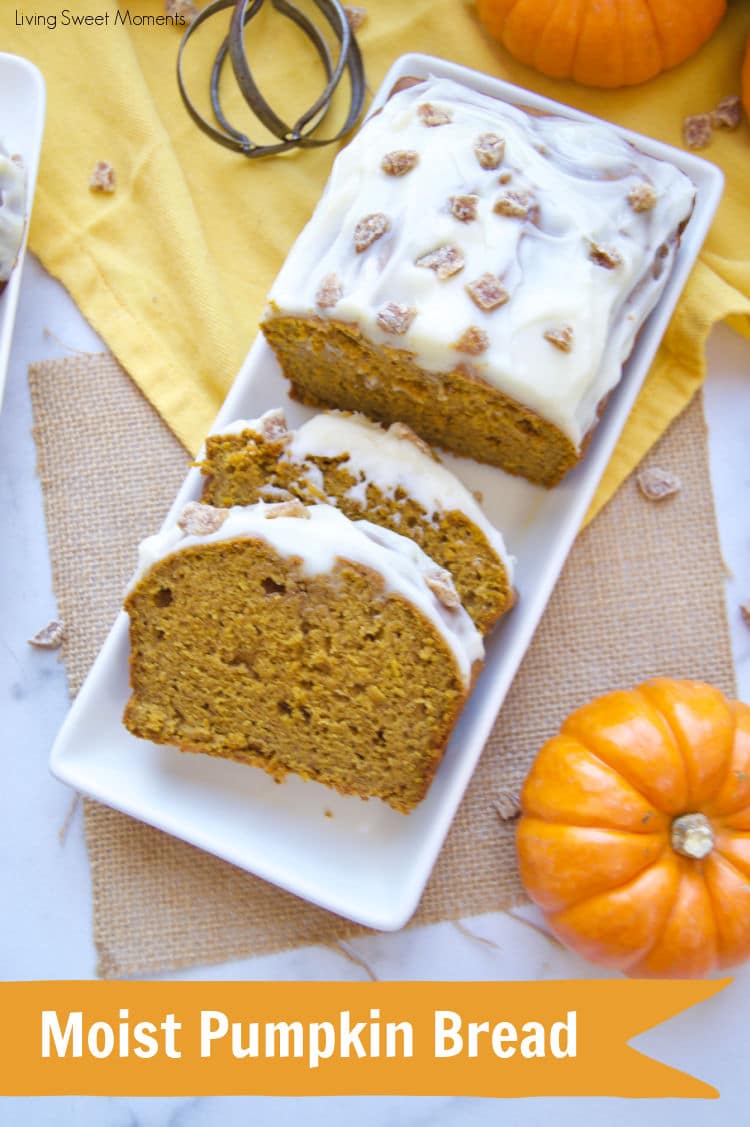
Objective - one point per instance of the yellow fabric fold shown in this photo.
(172, 269)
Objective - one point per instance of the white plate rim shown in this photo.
(394, 914)
(29, 146)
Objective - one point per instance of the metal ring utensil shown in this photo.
(300, 134)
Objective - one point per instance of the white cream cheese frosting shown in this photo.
(321, 538)
(12, 210)
(387, 458)
(446, 185)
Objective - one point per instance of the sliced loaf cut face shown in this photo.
(391, 478)
(292, 639)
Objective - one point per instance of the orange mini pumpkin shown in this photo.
(601, 42)
(634, 837)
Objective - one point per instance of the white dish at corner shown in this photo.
(22, 103)
(366, 862)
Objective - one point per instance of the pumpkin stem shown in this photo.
(692, 836)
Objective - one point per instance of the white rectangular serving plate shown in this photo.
(22, 103)
(361, 859)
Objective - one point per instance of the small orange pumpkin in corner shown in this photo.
(601, 42)
(634, 837)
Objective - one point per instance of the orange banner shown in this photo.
(340, 1038)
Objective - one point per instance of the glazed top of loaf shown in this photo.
(467, 231)
(318, 539)
(395, 460)
(12, 210)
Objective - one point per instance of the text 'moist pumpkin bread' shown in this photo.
(293, 639)
(479, 272)
(391, 478)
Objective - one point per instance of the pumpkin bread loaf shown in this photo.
(480, 273)
(293, 639)
(390, 478)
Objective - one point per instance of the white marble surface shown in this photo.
(44, 885)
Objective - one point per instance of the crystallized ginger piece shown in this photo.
(184, 11)
(445, 261)
(696, 130)
(728, 113)
(399, 162)
(50, 637)
(103, 177)
(487, 292)
(656, 484)
(395, 318)
(201, 520)
(516, 205)
(605, 256)
(642, 197)
(293, 508)
(369, 229)
(355, 16)
(561, 338)
(440, 583)
(464, 207)
(401, 430)
(489, 150)
(473, 340)
(432, 115)
(330, 291)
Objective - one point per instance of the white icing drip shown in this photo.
(579, 175)
(326, 536)
(12, 211)
(389, 461)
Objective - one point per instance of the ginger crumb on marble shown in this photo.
(50, 637)
(696, 130)
(399, 162)
(369, 229)
(487, 292)
(395, 318)
(445, 261)
(657, 484)
(474, 341)
(201, 520)
(432, 115)
(745, 611)
(642, 197)
(489, 149)
(330, 291)
(103, 177)
(561, 338)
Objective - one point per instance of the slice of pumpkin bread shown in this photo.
(293, 639)
(391, 478)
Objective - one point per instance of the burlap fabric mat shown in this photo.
(641, 595)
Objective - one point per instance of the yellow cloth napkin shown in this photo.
(173, 268)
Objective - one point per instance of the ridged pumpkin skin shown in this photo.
(601, 42)
(601, 841)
